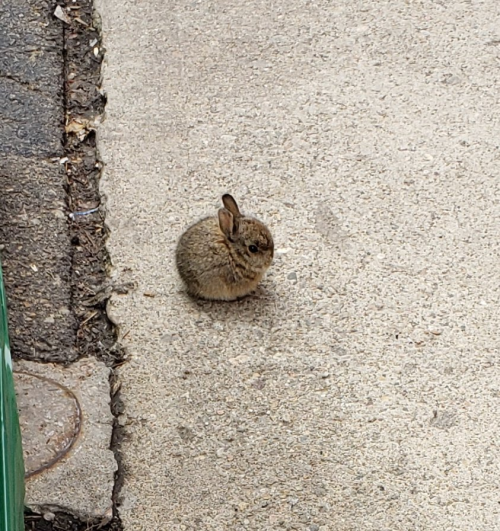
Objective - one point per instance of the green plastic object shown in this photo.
(11, 452)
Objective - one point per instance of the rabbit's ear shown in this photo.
(227, 223)
(231, 205)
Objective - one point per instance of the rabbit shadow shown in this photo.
(260, 305)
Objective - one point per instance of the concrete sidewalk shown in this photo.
(359, 388)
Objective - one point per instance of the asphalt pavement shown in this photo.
(34, 232)
(358, 389)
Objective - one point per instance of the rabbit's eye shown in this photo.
(253, 248)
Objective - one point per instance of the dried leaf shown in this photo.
(76, 126)
(78, 19)
(62, 15)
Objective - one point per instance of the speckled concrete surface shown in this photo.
(359, 389)
(64, 401)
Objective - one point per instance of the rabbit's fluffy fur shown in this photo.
(224, 257)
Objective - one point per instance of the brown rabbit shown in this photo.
(224, 257)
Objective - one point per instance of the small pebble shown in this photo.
(50, 517)
(292, 276)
